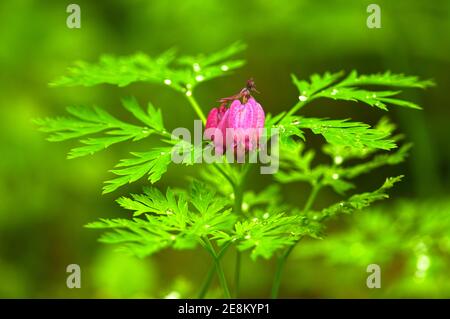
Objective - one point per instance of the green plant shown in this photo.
(218, 212)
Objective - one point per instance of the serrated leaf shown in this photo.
(360, 201)
(385, 79)
(153, 163)
(87, 121)
(169, 220)
(344, 132)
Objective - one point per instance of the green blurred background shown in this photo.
(45, 199)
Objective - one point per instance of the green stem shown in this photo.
(207, 282)
(298, 106)
(279, 270)
(312, 197)
(219, 269)
(225, 175)
(283, 258)
(209, 276)
(238, 198)
(196, 107)
(237, 273)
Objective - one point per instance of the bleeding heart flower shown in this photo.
(238, 127)
(216, 124)
(247, 120)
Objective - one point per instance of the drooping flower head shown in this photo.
(239, 126)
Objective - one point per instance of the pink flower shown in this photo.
(247, 120)
(238, 127)
(215, 128)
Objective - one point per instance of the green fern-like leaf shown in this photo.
(182, 74)
(333, 86)
(174, 220)
(88, 121)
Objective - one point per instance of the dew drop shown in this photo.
(163, 153)
(199, 78)
(335, 176)
(245, 206)
(169, 212)
(248, 237)
(266, 215)
(167, 81)
(188, 93)
(334, 92)
(224, 68)
(173, 295)
(302, 98)
(173, 237)
(338, 160)
(196, 67)
(374, 95)
(423, 262)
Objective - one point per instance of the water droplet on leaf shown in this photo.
(196, 67)
(338, 160)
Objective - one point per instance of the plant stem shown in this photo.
(207, 282)
(196, 107)
(312, 197)
(279, 270)
(298, 106)
(228, 178)
(237, 273)
(210, 274)
(282, 259)
(238, 198)
(219, 269)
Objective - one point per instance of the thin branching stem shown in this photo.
(196, 107)
(281, 261)
(219, 269)
(207, 281)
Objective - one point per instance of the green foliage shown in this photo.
(87, 121)
(332, 85)
(180, 73)
(343, 132)
(171, 220)
(264, 236)
(154, 163)
(360, 201)
(401, 232)
(219, 212)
